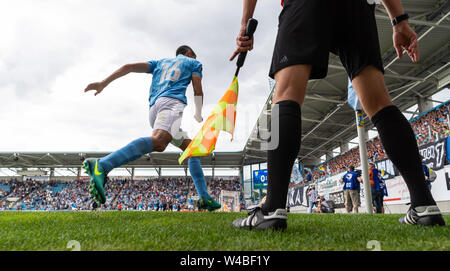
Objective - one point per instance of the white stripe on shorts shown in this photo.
(166, 114)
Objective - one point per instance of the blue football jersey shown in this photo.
(351, 180)
(172, 76)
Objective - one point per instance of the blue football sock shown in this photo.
(197, 176)
(130, 152)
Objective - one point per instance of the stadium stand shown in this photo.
(177, 193)
(428, 127)
(157, 194)
(432, 125)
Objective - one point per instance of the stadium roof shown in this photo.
(327, 119)
(153, 160)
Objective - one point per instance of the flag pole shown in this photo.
(364, 160)
(249, 31)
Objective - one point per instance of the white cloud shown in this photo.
(50, 50)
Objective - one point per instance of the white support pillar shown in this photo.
(344, 147)
(424, 104)
(362, 136)
(78, 173)
(52, 173)
(328, 155)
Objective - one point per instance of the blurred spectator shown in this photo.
(322, 206)
(351, 181)
(312, 195)
(378, 188)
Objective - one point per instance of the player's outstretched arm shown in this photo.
(124, 70)
(198, 96)
(243, 44)
(404, 37)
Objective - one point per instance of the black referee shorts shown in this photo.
(309, 29)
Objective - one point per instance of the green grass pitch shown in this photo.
(161, 231)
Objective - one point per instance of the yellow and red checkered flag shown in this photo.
(222, 118)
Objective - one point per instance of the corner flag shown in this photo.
(222, 118)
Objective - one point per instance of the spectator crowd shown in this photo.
(432, 126)
(178, 193)
(156, 194)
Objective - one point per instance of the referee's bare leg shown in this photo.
(291, 83)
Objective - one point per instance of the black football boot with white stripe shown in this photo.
(258, 220)
(423, 215)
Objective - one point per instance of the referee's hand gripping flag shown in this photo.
(352, 99)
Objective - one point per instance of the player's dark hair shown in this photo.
(351, 168)
(183, 49)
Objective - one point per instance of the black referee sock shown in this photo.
(400, 144)
(281, 159)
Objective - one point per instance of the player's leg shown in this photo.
(181, 140)
(135, 149)
(196, 171)
(98, 168)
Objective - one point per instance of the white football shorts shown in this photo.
(166, 114)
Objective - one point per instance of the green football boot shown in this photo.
(208, 204)
(97, 179)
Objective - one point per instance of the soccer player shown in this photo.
(307, 31)
(171, 77)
